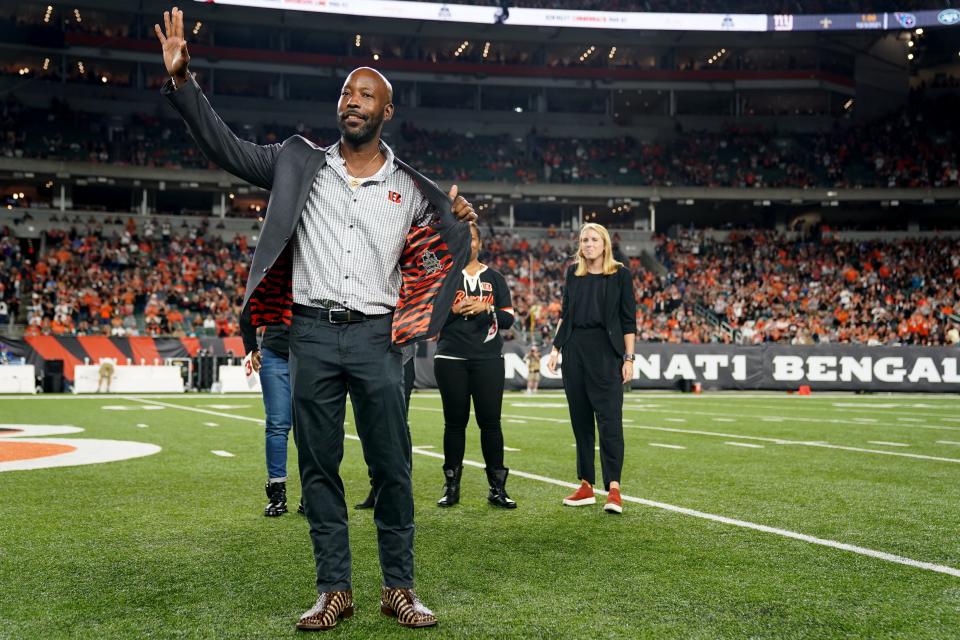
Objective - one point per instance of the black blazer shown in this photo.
(287, 171)
(619, 312)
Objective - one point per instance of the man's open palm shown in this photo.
(175, 55)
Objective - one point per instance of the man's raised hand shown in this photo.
(174, 44)
(460, 207)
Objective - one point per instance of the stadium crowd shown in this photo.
(911, 148)
(123, 279)
(755, 286)
(802, 291)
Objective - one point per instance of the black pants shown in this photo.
(593, 383)
(459, 381)
(409, 377)
(325, 360)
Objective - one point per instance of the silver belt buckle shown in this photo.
(339, 310)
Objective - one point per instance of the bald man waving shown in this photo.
(353, 256)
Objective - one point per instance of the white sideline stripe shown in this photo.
(889, 444)
(817, 443)
(947, 442)
(911, 419)
(424, 446)
(222, 454)
(665, 446)
(744, 444)
(675, 419)
(833, 544)
(771, 419)
(211, 424)
(795, 404)
(713, 414)
(517, 421)
(506, 448)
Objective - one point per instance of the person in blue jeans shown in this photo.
(269, 359)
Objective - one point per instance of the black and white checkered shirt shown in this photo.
(347, 246)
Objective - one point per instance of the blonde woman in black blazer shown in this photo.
(596, 337)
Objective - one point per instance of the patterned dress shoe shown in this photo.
(405, 606)
(331, 606)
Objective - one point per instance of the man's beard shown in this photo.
(362, 134)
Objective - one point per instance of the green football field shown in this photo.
(746, 515)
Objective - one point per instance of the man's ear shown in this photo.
(388, 112)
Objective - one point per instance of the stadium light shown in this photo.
(376, 56)
(486, 49)
(463, 47)
(196, 27)
(919, 31)
(103, 79)
(76, 15)
(613, 52)
(46, 63)
(518, 109)
(46, 16)
(910, 43)
(909, 56)
(356, 41)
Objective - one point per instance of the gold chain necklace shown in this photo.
(354, 181)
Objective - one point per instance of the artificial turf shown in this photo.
(174, 545)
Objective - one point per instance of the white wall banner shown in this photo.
(463, 13)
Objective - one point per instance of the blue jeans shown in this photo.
(277, 402)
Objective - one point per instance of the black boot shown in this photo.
(451, 487)
(277, 495)
(367, 503)
(498, 493)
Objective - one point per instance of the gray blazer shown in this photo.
(287, 171)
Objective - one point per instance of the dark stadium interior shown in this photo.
(830, 159)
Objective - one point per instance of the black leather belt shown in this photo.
(334, 316)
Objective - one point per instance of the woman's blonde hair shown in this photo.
(610, 265)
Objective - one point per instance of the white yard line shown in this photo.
(888, 444)
(744, 524)
(506, 448)
(728, 417)
(744, 444)
(880, 555)
(947, 442)
(222, 454)
(665, 446)
(802, 443)
(795, 404)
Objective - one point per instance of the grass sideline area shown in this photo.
(174, 545)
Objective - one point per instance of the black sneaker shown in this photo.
(367, 502)
(277, 496)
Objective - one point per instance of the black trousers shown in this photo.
(326, 360)
(594, 386)
(459, 381)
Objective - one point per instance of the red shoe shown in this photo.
(581, 497)
(614, 503)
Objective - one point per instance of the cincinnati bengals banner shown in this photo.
(37, 350)
(771, 367)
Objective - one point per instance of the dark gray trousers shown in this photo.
(327, 360)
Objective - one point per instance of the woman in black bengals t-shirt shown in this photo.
(469, 363)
